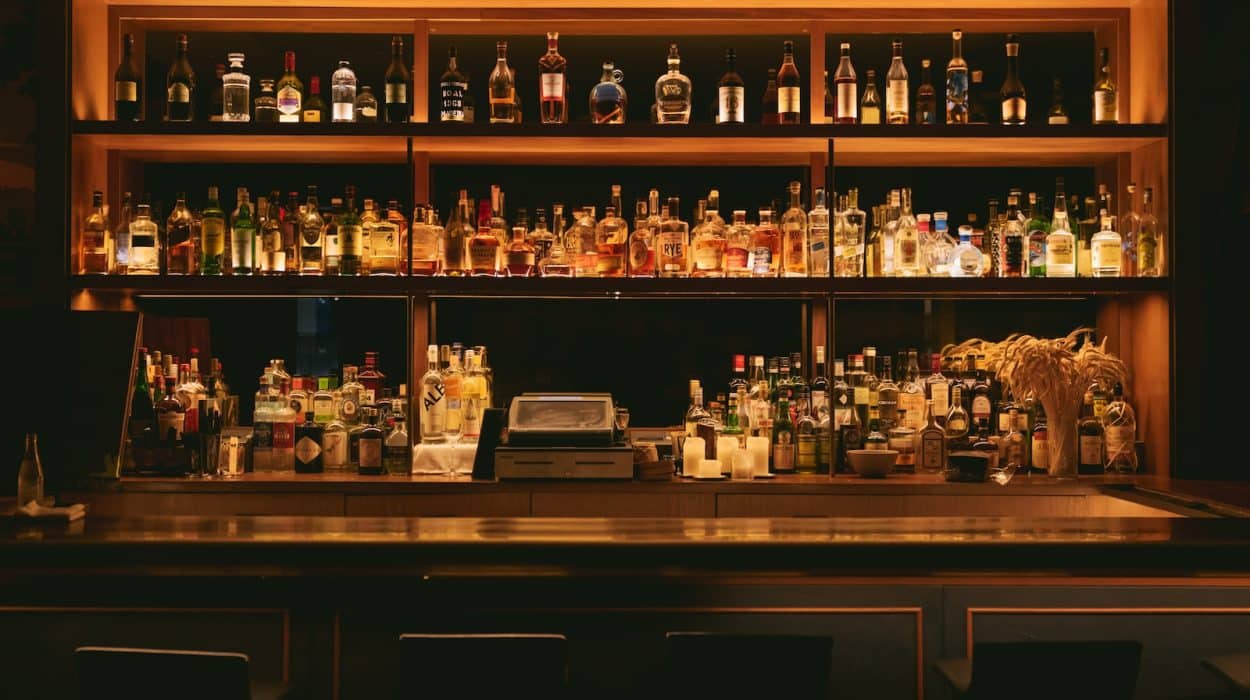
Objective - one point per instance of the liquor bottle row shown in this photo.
(813, 421)
(283, 100)
(270, 238)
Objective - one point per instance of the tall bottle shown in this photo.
(121, 236)
(957, 82)
(789, 90)
(1119, 424)
(897, 90)
(1013, 260)
(1106, 97)
(926, 96)
(673, 92)
(314, 106)
(673, 243)
(290, 92)
(818, 236)
(906, 241)
(794, 236)
(846, 98)
(556, 262)
(502, 88)
(452, 87)
(553, 83)
(870, 105)
(180, 86)
(30, 474)
(731, 94)
(456, 240)
(180, 258)
(311, 236)
(397, 110)
(236, 91)
(127, 84)
(1149, 240)
(1015, 107)
(351, 239)
(1105, 249)
(343, 93)
(1060, 242)
(212, 236)
(95, 240)
(243, 236)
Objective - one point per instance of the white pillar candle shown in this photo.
(709, 469)
(758, 447)
(743, 465)
(691, 455)
(725, 446)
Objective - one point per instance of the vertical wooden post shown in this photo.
(816, 72)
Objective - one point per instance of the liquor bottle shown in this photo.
(1058, 113)
(902, 439)
(552, 84)
(731, 94)
(371, 378)
(642, 242)
(806, 453)
(212, 245)
(121, 237)
(611, 239)
(171, 418)
(846, 101)
(1011, 446)
(695, 412)
(967, 260)
(875, 439)
(216, 97)
(332, 252)
(311, 236)
(127, 84)
(1105, 249)
(906, 240)
(579, 243)
(142, 412)
(851, 240)
(1106, 97)
(396, 454)
(452, 86)
(397, 78)
(243, 236)
(932, 453)
(1060, 242)
(977, 111)
(502, 88)
(771, 100)
(180, 256)
(887, 395)
(309, 436)
(556, 263)
(95, 240)
(707, 258)
(366, 107)
(957, 82)
(783, 436)
(738, 237)
(366, 444)
(236, 91)
(829, 105)
(982, 405)
(1128, 225)
(484, 245)
(1012, 241)
(343, 93)
(1149, 240)
(266, 104)
(386, 253)
(870, 105)
(765, 257)
(1090, 439)
(818, 236)
(180, 86)
(144, 246)
(794, 236)
(352, 396)
(673, 92)
(351, 242)
(608, 101)
(789, 90)
(314, 106)
(957, 422)
(1036, 230)
(290, 92)
(897, 91)
(1119, 424)
(540, 236)
(937, 389)
(1014, 104)
(926, 96)
(519, 258)
(1039, 444)
(673, 243)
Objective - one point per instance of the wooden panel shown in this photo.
(623, 505)
(479, 505)
(810, 505)
(1138, 331)
(119, 504)
(1147, 64)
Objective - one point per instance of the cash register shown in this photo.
(563, 436)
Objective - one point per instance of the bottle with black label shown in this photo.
(367, 444)
(309, 439)
(731, 94)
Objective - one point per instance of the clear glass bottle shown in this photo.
(794, 236)
(557, 262)
(765, 260)
(95, 240)
(271, 248)
(456, 242)
(1106, 97)
(236, 91)
(818, 236)
(1119, 424)
(938, 247)
(957, 82)
(1011, 446)
(611, 239)
(730, 93)
(608, 101)
(897, 90)
(926, 96)
(180, 86)
(144, 244)
(452, 86)
(906, 241)
(967, 259)
(1105, 249)
(343, 93)
(673, 243)
(502, 88)
(366, 106)
(519, 255)
(1015, 106)
(887, 395)
(789, 88)
(290, 91)
(849, 237)
(1058, 114)
(673, 92)
(846, 98)
(870, 104)
(121, 236)
(30, 474)
(311, 237)
(266, 103)
(902, 439)
(708, 247)
(642, 242)
(540, 236)
(579, 243)
(1060, 242)
(552, 83)
(1150, 246)
(243, 236)
(957, 424)
(282, 454)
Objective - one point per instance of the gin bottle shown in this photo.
(673, 92)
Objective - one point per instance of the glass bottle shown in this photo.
(846, 99)
(484, 245)
(452, 86)
(870, 105)
(937, 389)
(789, 88)
(127, 84)
(806, 458)
(397, 456)
(519, 257)
(902, 439)
(236, 91)
(171, 416)
(1105, 249)
(290, 92)
(906, 241)
(673, 92)
(30, 474)
(95, 240)
(242, 236)
(783, 439)
(1060, 242)
(875, 439)
(818, 236)
(366, 106)
(926, 96)
(673, 243)
(708, 247)
(144, 246)
(314, 107)
(611, 239)
(351, 242)
(552, 83)
(1058, 113)
(1036, 229)
(343, 93)
(557, 262)
(1012, 234)
(1149, 239)
(967, 260)
(332, 251)
(1090, 438)
(642, 242)
(266, 104)
(849, 237)
(1011, 446)
(311, 236)
(771, 103)
(335, 447)
(730, 93)
(608, 101)
(1039, 444)
(957, 421)
(579, 243)
(931, 457)
(180, 86)
(456, 242)
(794, 236)
(957, 82)
(212, 236)
(887, 395)
(121, 236)
(828, 100)
(765, 259)
(309, 436)
(897, 90)
(270, 248)
(738, 243)
(502, 88)
(540, 236)
(940, 247)
(1119, 424)
(1106, 97)
(397, 79)
(385, 253)
(216, 98)
(366, 444)
(977, 111)
(180, 256)
(1014, 104)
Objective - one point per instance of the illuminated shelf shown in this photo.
(745, 144)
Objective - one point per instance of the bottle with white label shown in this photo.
(897, 90)
(1119, 424)
(1105, 252)
(1060, 241)
(731, 94)
(290, 92)
(1015, 107)
(846, 97)
(343, 93)
(552, 83)
(789, 92)
(1106, 104)
(180, 86)
(127, 83)
(433, 406)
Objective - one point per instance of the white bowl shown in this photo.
(872, 464)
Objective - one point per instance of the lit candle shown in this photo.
(709, 469)
(691, 456)
(725, 447)
(742, 464)
(758, 447)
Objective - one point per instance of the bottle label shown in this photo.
(731, 108)
(344, 112)
(980, 407)
(312, 115)
(848, 101)
(1059, 119)
(789, 100)
(367, 112)
(289, 101)
(369, 450)
(806, 454)
(1004, 421)
(1106, 254)
(1091, 449)
(283, 435)
(861, 396)
(482, 256)
(170, 421)
(396, 93)
(262, 435)
(940, 393)
(783, 451)
(736, 259)
(639, 253)
(913, 403)
(552, 86)
(433, 411)
(126, 91)
(931, 451)
(707, 258)
(212, 236)
(1041, 450)
(1119, 438)
(335, 448)
(179, 92)
(1147, 252)
(306, 450)
(1014, 110)
(1037, 251)
(796, 247)
(896, 97)
(1059, 251)
(350, 241)
(818, 400)
(348, 408)
(761, 260)
(1105, 110)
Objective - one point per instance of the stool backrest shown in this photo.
(140, 674)
(1065, 670)
(748, 666)
(483, 666)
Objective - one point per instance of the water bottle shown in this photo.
(30, 475)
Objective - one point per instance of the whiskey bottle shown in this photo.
(731, 94)
(579, 243)
(957, 82)
(332, 254)
(789, 90)
(127, 84)
(1119, 424)
(343, 93)
(897, 89)
(1106, 97)
(1090, 439)
(396, 454)
(957, 421)
(351, 237)
(314, 106)
(708, 256)
(765, 259)
(769, 113)
(552, 83)
(519, 259)
(180, 258)
(290, 92)
(180, 86)
(673, 243)
(846, 99)
(367, 444)
(452, 86)
(642, 241)
(807, 442)
(870, 104)
(425, 245)
(397, 78)
(1014, 105)
(673, 92)
(608, 101)
(265, 107)
(1058, 114)
(144, 246)
(738, 244)
(212, 236)
(502, 88)
(540, 236)
(926, 96)
(611, 239)
(311, 236)
(484, 245)
(794, 236)
(937, 389)
(95, 240)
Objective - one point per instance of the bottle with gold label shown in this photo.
(794, 236)
(1106, 97)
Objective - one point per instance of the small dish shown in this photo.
(718, 477)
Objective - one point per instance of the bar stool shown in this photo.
(747, 666)
(1233, 669)
(1037, 670)
(105, 673)
(483, 666)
